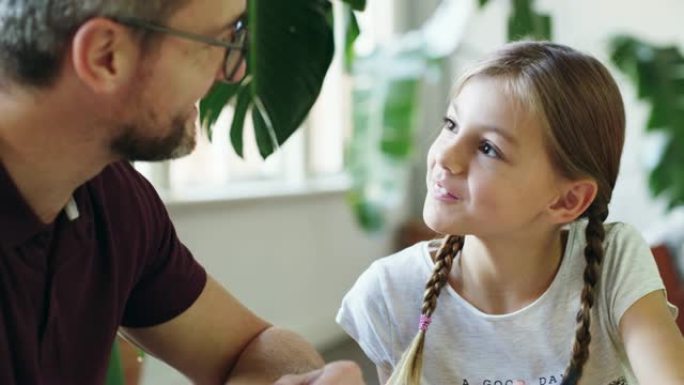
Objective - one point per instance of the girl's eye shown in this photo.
(449, 125)
(489, 150)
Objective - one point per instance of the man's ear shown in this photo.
(104, 54)
(574, 198)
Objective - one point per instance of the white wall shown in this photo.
(290, 259)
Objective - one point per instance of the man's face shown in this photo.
(160, 117)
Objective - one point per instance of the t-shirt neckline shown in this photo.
(562, 271)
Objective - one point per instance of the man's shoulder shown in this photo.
(122, 195)
(121, 172)
(119, 180)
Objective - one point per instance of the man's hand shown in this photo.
(334, 373)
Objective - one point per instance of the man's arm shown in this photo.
(272, 354)
(218, 336)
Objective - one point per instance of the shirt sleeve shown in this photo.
(363, 315)
(630, 271)
(169, 279)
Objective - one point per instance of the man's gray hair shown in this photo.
(34, 33)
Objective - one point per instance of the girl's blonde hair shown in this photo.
(583, 115)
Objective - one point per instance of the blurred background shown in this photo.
(289, 235)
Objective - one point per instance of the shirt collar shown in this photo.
(18, 222)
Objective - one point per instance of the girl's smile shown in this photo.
(440, 193)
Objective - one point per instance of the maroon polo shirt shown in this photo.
(66, 287)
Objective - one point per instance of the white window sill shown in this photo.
(240, 192)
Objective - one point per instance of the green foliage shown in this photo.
(399, 117)
(385, 109)
(237, 126)
(524, 22)
(290, 49)
(658, 73)
(352, 32)
(212, 104)
(357, 5)
(115, 375)
(369, 215)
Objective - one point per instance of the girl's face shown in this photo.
(488, 172)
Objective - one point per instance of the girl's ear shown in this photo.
(574, 198)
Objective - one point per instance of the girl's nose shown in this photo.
(452, 157)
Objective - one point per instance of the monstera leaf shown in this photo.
(290, 49)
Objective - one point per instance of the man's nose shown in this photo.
(237, 75)
(240, 72)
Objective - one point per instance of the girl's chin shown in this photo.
(441, 225)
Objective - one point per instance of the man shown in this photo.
(86, 245)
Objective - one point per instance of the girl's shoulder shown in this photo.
(621, 231)
(403, 272)
(617, 234)
(626, 253)
(403, 265)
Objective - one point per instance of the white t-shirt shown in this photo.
(466, 346)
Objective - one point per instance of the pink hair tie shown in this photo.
(424, 322)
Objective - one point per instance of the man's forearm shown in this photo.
(272, 354)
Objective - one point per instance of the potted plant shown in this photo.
(290, 50)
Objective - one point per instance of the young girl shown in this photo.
(535, 288)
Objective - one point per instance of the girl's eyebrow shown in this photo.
(495, 129)
(503, 133)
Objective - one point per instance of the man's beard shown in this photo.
(133, 146)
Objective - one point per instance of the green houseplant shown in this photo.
(290, 50)
(115, 375)
(658, 74)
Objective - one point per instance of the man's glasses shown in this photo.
(235, 49)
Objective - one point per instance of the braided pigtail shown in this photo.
(593, 253)
(409, 369)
